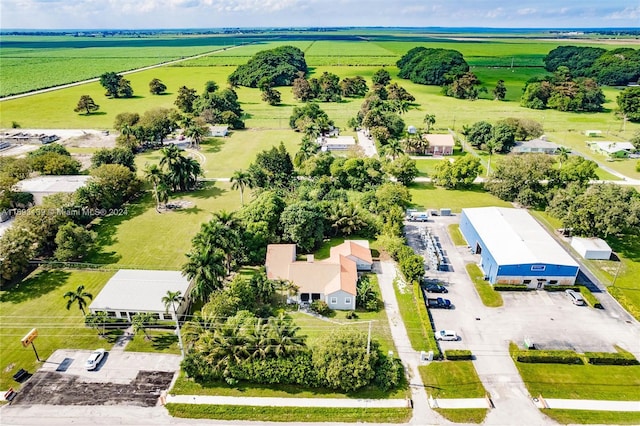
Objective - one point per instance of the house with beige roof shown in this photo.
(440, 144)
(333, 280)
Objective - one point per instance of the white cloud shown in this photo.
(495, 13)
(527, 11)
(627, 13)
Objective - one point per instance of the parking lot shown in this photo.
(128, 378)
(548, 319)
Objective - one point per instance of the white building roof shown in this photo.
(613, 147)
(53, 184)
(133, 290)
(339, 140)
(514, 237)
(534, 144)
(590, 244)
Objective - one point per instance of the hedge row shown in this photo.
(425, 320)
(611, 358)
(561, 287)
(548, 357)
(511, 287)
(458, 354)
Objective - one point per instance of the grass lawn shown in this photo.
(454, 379)
(144, 238)
(37, 302)
(187, 386)
(161, 341)
(586, 417)
(463, 415)
(427, 195)
(605, 382)
(288, 415)
(456, 235)
(417, 330)
(489, 296)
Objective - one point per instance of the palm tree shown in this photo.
(170, 300)
(161, 194)
(429, 120)
(195, 132)
(393, 148)
(282, 336)
(308, 148)
(241, 180)
(101, 319)
(491, 147)
(79, 296)
(170, 156)
(206, 267)
(140, 322)
(153, 174)
(563, 154)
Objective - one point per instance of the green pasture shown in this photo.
(428, 196)
(144, 238)
(38, 302)
(587, 417)
(159, 341)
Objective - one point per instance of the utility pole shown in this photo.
(369, 339)
(617, 271)
(178, 330)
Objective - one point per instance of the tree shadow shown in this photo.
(35, 286)
(164, 341)
(213, 145)
(209, 190)
(91, 114)
(190, 210)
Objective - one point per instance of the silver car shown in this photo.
(94, 359)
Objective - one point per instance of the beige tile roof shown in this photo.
(351, 248)
(279, 257)
(439, 140)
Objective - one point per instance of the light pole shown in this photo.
(615, 277)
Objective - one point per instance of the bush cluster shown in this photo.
(549, 357)
(511, 287)
(458, 354)
(611, 358)
(425, 320)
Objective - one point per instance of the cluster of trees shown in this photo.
(534, 179)
(616, 67)
(116, 85)
(328, 88)
(57, 229)
(432, 66)
(501, 136)
(52, 159)
(563, 92)
(213, 106)
(458, 174)
(279, 66)
(629, 104)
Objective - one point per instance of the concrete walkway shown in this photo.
(122, 341)
(289, 402)
(458, 403)
(589, 404)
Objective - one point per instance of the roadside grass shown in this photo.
(602, 382)
(144, 238)
(488, 295)
(188, 386)
(586, 417)
(427, 195)
(419, 331)
(463, 415)
(456, 235)
(38, 302)
(161, 341)
(454, 379)
(289, 415)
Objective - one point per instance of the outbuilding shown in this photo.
(515, 249)
(131, 291)
(591, 248)
(43, 186)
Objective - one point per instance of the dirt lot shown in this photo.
(121, 378)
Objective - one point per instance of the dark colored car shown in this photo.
(436, 288)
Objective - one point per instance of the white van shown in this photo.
(576, 297)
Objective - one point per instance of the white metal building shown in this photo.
(43, 186)
(131, 291)
(591, 248)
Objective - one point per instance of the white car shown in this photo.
(446, 335)
(94, 359)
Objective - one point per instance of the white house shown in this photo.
(591, 248)
(132, 291)
(43, 186)
(219, 131)
(535, 145)
(336, 143)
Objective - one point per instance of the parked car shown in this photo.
(447, 335)
(575, 297)
(94, 359)
(436, 288)
(439, 303)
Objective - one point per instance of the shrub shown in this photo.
(511, 287)
(611, 358)
(458, 354)
(553, 288)
(549, 357)
(320, 307)
(351, 315)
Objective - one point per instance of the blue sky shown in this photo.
(133, 14)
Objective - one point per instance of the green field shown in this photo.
(428, 196)
(38, 302)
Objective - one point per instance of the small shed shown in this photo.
(412, 130)
(591, 248)
(219, 131)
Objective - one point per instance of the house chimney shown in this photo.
(309, 258)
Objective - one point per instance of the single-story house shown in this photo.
(131, 291)
(43, 186)
(613, 149)
(219, 131)
(336, 143)
(440, 144)
(591, 248)
(333, 280)
(535, 145)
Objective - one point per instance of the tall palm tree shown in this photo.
(308, 148)
(161, 194)
(429, 120)
(195, 132)
(283, 338)
(80, 297)
(170, 156)
(154, 175)
(170, 300)
(393, 148)
(241, 180)
(140, 322)
(563, 154)
(491, 147)
(206, 267)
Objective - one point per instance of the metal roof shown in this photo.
(134, 290)
(53, 184)
(514, 237)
